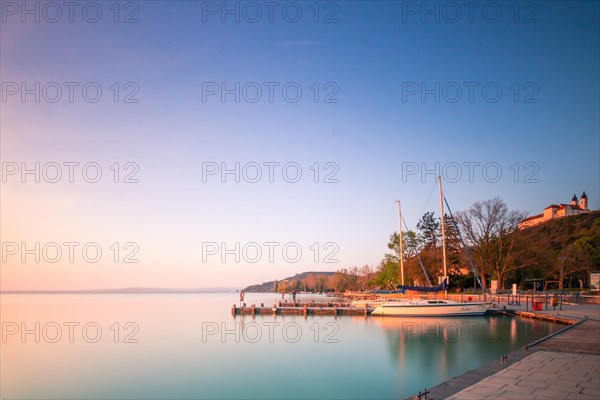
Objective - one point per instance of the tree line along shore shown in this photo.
(499, 250)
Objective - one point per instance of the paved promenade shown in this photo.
(565, 366)
(542, 375)
(576, 312)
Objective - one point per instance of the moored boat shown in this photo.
(430, 308)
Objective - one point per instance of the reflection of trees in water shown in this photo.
(430, 346)
(527, 330)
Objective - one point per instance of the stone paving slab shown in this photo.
(536, 383)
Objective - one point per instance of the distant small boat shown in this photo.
(430, 308)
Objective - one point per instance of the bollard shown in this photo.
(423, 395)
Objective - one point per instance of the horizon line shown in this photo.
(132, 290)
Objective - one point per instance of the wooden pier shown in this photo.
(546, 317)
(582, 339)
(532, 315)
(298, 308)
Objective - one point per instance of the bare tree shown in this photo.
(578, 258)
(365, 273)
(490, 230)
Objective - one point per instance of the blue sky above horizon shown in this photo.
(367, 61)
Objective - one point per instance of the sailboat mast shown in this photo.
(400, 260)
(443, 234)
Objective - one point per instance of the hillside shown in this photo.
(577, 238)
(560, 233)
(290, 282)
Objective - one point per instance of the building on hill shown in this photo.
(554, 211)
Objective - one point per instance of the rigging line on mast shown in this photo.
(418, 257)
(464, 245)
(426, 204)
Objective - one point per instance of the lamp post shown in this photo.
(562, 280)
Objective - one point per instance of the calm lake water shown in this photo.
(190, 346)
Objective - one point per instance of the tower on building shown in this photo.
(574, 200)
(583, 202)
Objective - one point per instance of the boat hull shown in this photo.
(431, 310)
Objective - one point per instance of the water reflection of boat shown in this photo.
(425, 324)
(453, 341)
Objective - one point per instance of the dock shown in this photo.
(300, 308)
(584, 339)
(546, 317)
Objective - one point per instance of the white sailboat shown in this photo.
(430, 307)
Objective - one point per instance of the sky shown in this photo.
(220, 144)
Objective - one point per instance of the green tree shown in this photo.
(411, 242)
(429, 227)
(387, 273)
